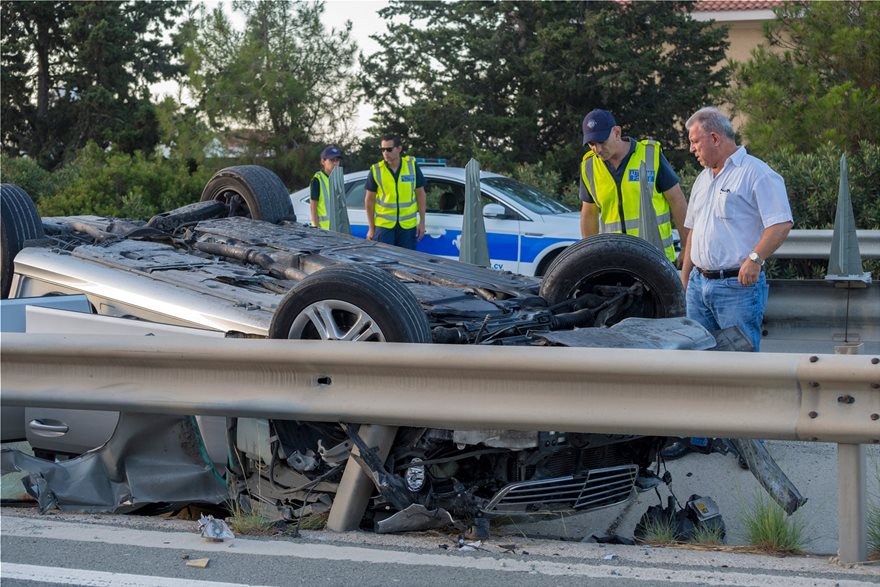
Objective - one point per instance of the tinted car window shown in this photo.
(530, 197)
(354, 194)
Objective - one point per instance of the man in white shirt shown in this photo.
(738, 215)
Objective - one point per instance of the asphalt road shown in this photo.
(68, 549)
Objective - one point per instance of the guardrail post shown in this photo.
(852, 534)
(356, 487)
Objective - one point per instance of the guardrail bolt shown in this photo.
(875, 360)
(875, 417)
(875, 386)
(324, 380)
(813, 415)
(846, 399)
(814, 358)
(814, 384)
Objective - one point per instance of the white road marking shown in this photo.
(30, 528)
(89, 578)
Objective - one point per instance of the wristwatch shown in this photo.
(753, 256)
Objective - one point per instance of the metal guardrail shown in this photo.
(816, 244)
(779, 396)
(666, 393)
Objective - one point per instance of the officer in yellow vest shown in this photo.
(395, 197)
(320, 186)
(610, 185)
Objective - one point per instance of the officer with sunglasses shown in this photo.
(395, 199)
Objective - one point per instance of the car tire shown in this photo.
(19, 222)
(350, 302)
(616, 259)
(251, 191)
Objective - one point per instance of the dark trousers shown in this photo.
(401, 237)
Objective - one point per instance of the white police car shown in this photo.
(525, 227)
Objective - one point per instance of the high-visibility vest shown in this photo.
(619, 204)
(396, 200)
(324, 184)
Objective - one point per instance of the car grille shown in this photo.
(597, 489)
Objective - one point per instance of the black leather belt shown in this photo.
(720, 273)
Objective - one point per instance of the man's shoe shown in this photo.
(676, 450)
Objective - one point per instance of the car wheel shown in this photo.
(617, 259)
(19, 222)
(251, 191)
(350, 302)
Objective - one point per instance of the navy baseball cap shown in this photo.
(331, 152)
(597, 126)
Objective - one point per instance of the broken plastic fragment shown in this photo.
(215, 530)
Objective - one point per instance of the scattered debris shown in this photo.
(443, 546)
(511, 548)
(214, 530)
(469, 546)
(609, 557)
(199, 563)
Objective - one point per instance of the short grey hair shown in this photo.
(711, 120)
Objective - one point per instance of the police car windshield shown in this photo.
(532, 198)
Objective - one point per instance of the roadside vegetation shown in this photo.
(769, 529)
(658, 531)
(248, 522)
(874, 532)
(706, 536)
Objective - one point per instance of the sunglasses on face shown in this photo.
(387, 149)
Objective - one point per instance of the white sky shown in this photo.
(365, 21)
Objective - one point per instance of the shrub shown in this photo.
(26, 174)
(768, 528)
(117, 184)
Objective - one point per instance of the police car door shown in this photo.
(443, 225)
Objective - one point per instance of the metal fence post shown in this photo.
(852, 538)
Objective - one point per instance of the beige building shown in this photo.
(745, 18)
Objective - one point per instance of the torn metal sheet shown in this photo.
(413, 518)
(654, 333)
(150, 459)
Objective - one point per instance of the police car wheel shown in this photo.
(622, 260)
(350, 302)
(251, 191)
(19, 222)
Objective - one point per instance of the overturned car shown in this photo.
(237, 263)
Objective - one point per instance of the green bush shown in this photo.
(768, 528)
(813, 181)
(121, 185)
(26, 174)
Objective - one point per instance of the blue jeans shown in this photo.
(401, 237)
(722, 303)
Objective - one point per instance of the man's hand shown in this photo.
(370, 232)
(420, 230)
(749, 272)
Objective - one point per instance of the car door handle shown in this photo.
(49, 429)
(533, 234)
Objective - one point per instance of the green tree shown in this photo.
(74, 72)
(283, 82)
(510, 82)
(821, 82)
